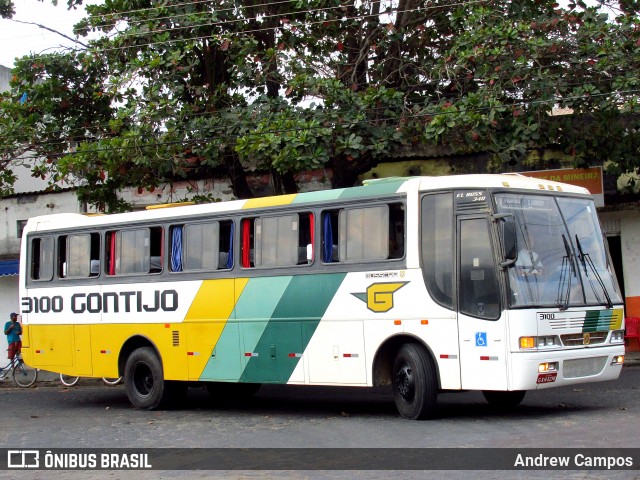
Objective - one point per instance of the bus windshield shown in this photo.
(562, 260)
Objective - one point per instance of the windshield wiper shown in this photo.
(568, 270)
(585, 259)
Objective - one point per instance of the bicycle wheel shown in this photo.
(69, 380)
(24, 375)
(111, 381)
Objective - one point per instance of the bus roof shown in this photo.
(371, 188)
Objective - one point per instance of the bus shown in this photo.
(496, 283)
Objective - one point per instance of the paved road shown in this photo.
(591, 415)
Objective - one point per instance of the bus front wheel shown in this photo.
(415, 388)
(144, 381)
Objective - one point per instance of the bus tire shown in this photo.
(503, 399)
(144, 379)
(415, 388)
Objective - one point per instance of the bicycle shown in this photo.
(70, 380)
(23, 375)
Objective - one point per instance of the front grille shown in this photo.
(577, 339)
(583, 367)
(567, 322)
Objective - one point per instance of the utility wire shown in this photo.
(227, 35)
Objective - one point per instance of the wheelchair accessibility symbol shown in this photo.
(481, 339)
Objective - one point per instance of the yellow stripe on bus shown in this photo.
(215, 299)
(269, 201)
(206, 319)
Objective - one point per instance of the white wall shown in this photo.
(22, 207)
(630, 240)
(626, 224)
(218, 189)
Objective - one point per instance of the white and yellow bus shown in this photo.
(498, 283)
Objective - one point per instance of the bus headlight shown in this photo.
(617, 360)
(617, 336)
(548, 367)
(549, 341)
(530, 343)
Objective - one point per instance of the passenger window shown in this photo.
(330, 253)
(248, 242)
(363, 234)
(278, 241)
(79, 256)
(134, 251)
(202, 246)
(42, 258)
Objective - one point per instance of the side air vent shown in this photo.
(176, 338)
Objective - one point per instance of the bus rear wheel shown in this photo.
(504, 399)
(145, 384)
(415, 388)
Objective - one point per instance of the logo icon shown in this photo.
(586, 339)
(23, 459)
(379, 296)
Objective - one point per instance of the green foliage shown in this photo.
(197, 89)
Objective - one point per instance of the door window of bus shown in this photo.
(438, 247)
(42, 258)
(363, 233)
(134, 251)
(79, 256)
(479, 294)
(202, 246)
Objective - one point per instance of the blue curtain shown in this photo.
(176, 249)
(327, 239)
(230, 257)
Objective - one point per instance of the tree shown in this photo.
(211, 87)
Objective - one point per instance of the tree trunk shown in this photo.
(238, 178)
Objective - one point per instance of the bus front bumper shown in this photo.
(556, 368)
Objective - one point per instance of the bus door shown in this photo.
(481, 325)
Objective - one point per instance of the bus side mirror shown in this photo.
(508, 239)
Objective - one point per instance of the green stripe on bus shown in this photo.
(319, 196)
(291, 327)
(597, 321)
(242, 332)
(375, 189)
(384, 187)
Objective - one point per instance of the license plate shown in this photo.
(547, 377)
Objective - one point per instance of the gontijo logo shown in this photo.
(379, 296)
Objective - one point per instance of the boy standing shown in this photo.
(13, 330)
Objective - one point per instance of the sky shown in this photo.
(17, 39)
